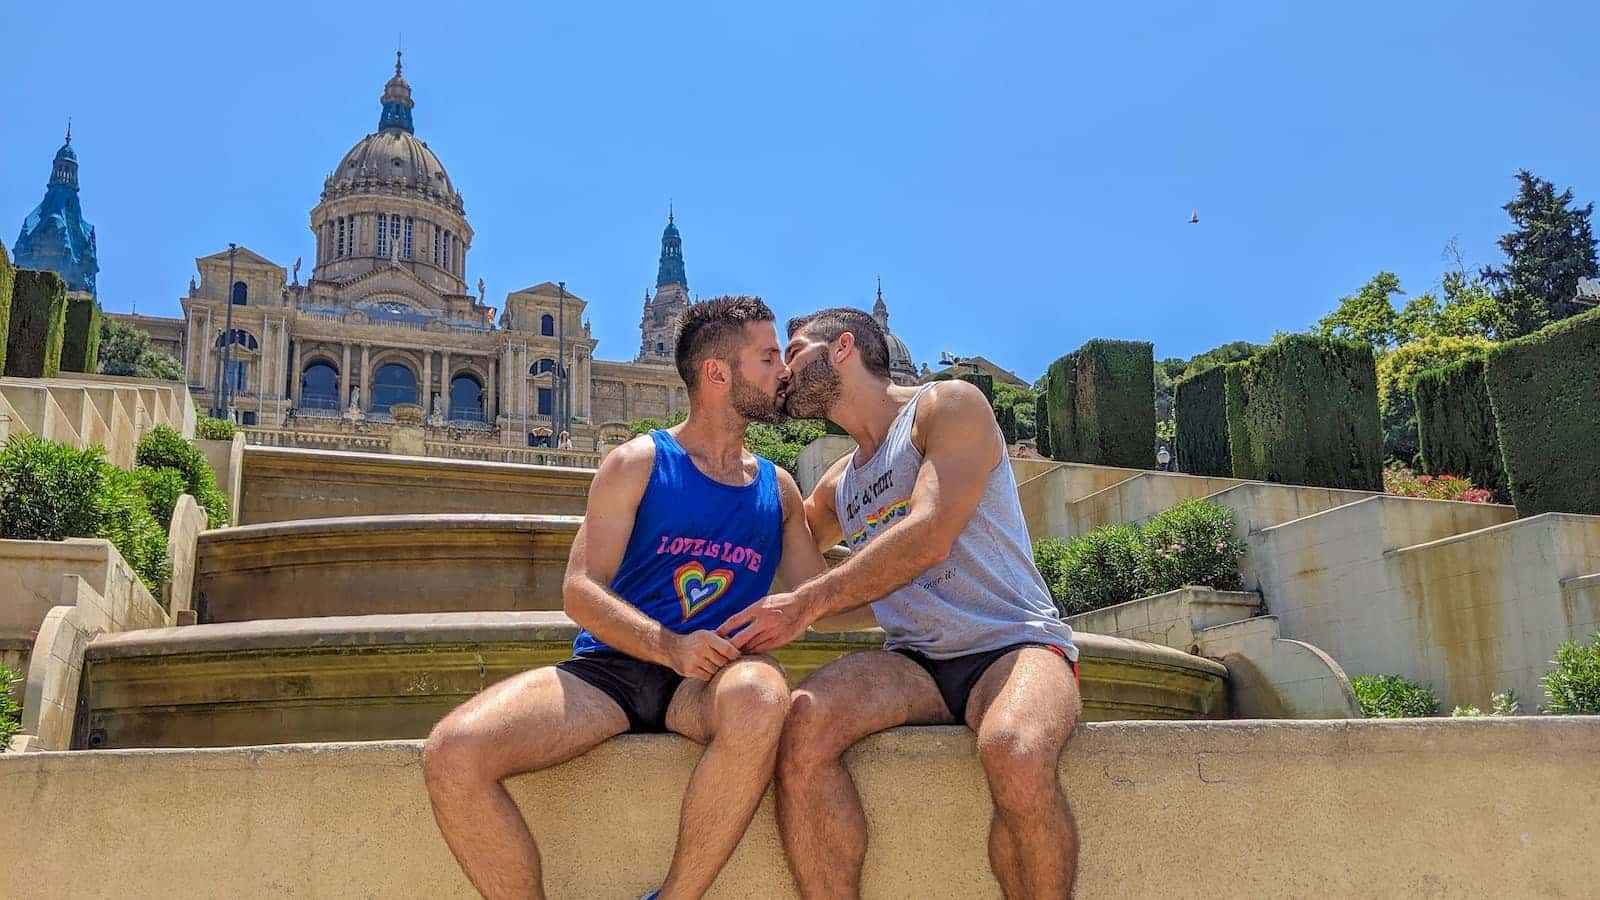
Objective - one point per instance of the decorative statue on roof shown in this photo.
(297, 270)
(480, 290)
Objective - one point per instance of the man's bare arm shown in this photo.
(820, 515)
(962, 445)
(801, 560)
(597, 551)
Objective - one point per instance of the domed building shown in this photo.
(388, 318)
(901, 369)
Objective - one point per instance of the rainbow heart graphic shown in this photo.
(696, 589)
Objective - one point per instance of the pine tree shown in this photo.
(1550, 246)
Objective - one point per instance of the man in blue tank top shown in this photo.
(684, 528)
(940, 551)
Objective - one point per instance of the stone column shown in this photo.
(344, 380)
(208, 356)
(427, 382)
(586, 401)
(366, 377)
(264, 377)
(294, 381)
(444, 382)
(490, 411)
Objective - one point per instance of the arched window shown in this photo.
(240, 293)
(466, 398)
(319, 387)
(547, 325)
(394, 383)
(240, 337)
(545, 365)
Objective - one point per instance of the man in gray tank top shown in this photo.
(940, 556)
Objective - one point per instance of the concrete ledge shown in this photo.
(378, 677)
(383, 564)
(1461, 808)
(282, 484)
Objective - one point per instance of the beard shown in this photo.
(752, 403)
(812, 390)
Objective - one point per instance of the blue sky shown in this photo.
(1020, 174)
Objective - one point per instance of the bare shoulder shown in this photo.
(628, 466)
(952, 407)
(789, 491)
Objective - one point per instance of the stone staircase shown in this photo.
(1465, 597)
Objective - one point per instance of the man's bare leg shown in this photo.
(1023, 709)
(820, 818)
(739, 716)
(530, 721)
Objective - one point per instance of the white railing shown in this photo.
(532, 456)
(314, 437)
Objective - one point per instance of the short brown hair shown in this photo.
(709, 328)
(828, 324)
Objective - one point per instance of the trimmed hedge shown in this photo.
(1200, 409)
(1305, 411)
(1099, 404)
(8, 275)
(1041, 421)
(1455, 425)
(38, 324)
(1545, 389)
(80, 346)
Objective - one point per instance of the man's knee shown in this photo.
(809, 733)
(1020, 763)
(752, 699)
(451, 754)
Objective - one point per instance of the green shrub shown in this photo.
(1573, 686)
(1402, 482)
(1455, 425)
(161, 489)
(1397, 377)
(80, 345)
(1100, 408)
(1393, 697)
(126, 521)
(1104, 567)
(10, 710)
(38, 324)
(1041, 422)
(1305, 411)
(50, 491)
(213, 429)
(8, 276)
(1545, 389)
(163, 448)
(1200, 408)
(1192, 543)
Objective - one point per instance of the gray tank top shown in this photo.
(986, 594)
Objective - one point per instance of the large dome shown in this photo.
(900, 362)
(389, 161)
(392, 160)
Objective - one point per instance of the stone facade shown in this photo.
(388, 317)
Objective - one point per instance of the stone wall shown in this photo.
(1459, 808)
(282, 484)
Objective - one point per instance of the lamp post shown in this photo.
(1162, 458)
(225, 352)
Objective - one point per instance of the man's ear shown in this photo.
(843, 347)
(715, 371)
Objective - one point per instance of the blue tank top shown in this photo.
(700, 550)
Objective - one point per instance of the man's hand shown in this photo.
(768, 624)
(702, 654)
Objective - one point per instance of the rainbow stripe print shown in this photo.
(876, 522)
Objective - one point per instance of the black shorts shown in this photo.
(956, 676)
(643, 689)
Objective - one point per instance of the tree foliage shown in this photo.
(125, 350)
(1549, 247)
